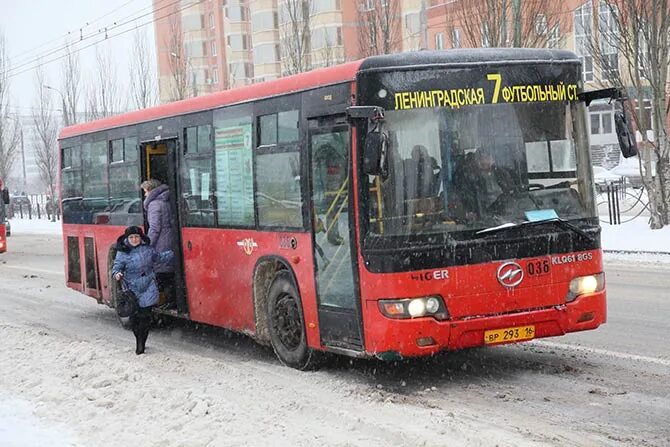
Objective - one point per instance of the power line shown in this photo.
(58, 39)
(12, 71)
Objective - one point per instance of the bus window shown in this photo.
(95, 180)
(279, 192)
(234, 168)
(71, 189)
(124, 175)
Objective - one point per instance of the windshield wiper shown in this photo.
(557, 221)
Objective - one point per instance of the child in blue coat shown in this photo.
(134, 264)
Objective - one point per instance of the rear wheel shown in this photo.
(287, 323)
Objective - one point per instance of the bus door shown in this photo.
(338, 306)
(159, 162)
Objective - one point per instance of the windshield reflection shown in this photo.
(474, 168)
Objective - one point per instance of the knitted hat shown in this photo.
(133, 230)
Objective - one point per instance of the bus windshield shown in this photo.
(462, 170)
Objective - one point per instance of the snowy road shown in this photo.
(65, 357)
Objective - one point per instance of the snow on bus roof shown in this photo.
(307, 80)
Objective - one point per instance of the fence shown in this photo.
(33, 206)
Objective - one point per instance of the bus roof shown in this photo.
(321, 77)
(469, 56)
(302, 81)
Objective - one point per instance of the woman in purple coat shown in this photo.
(161, 233)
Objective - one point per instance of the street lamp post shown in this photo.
(66, 118)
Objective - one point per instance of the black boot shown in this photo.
(139, 344)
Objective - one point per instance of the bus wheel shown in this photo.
(287, 328)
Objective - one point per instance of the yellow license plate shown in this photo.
(509, 334)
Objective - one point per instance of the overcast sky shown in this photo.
(34, 28)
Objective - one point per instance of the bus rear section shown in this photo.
(3, 238)
(477, 216)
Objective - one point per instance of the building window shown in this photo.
(541, 25)
(583, 33)
(238, 42)
(211, 20)
(554, 38)
(264, 21)
(213, 48)
(601, 123)
(645, 116)
(455, 38)
(265, 54)
(237, 13)
(413, 23)
(439, 41)
(215, 75)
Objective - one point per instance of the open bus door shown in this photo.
(338, 305)
(159, 163)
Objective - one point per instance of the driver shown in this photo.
(484, 183)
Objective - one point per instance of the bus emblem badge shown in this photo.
(510, 274)
(248, 245)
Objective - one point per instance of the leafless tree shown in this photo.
(638, 33)
(380, 30)
(9, 127)
(142, 83)
(71, 86)
(46, 130)
(508, 23)
(295, 35)
(178, 61)
(103, 97)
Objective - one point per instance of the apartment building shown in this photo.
(211, 45)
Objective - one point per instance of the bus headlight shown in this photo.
(428, 306)
(585, 284)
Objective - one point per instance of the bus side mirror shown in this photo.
(5, 196)
(625, 135)
(374, 154)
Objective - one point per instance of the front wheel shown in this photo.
(287, 323)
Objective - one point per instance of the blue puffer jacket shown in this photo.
(137, 265)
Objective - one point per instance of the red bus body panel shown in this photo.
(477, 302)
(3, 238)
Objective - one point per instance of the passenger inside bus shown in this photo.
(161, 234)
(482, 182)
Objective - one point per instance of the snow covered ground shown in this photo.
(194, 394)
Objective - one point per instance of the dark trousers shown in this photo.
(140, 323)
(166, 285)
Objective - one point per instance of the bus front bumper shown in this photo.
(390, 338)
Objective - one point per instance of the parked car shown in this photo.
(602, 177)
(125, 213)
(20, 202)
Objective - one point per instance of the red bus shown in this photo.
(360, 209)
